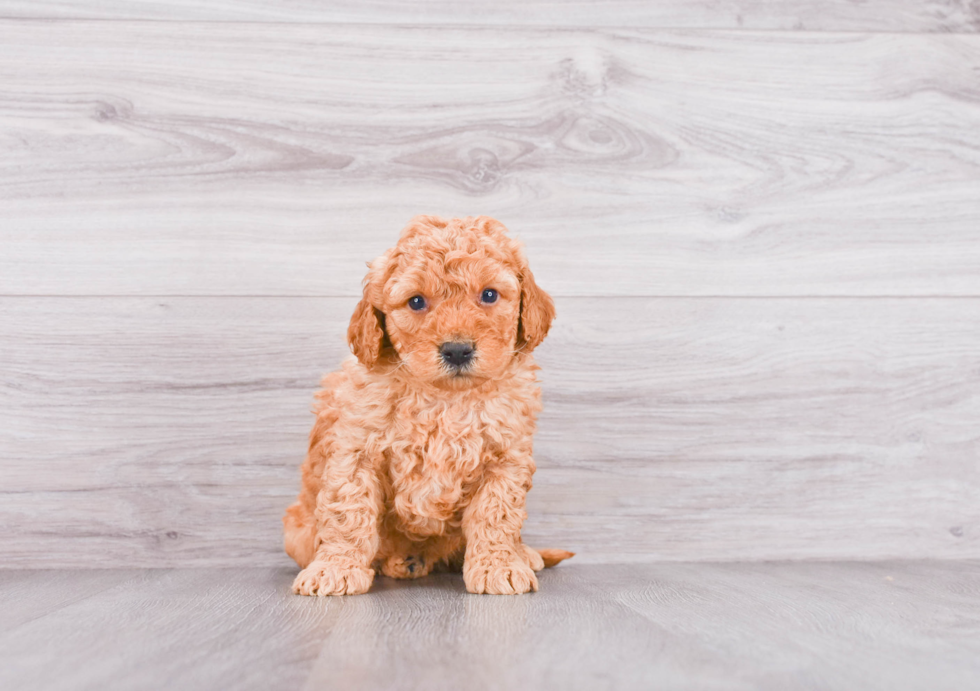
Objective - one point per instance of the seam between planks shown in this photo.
(351, 296)
(601, 28)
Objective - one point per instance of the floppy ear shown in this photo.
(537, 313)
(366, 334)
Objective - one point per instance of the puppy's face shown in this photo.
(452, 316)
(452, 303)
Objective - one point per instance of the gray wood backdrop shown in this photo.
(760, 221)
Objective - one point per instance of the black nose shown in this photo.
(456, 354)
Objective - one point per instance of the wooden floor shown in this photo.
(780, 626)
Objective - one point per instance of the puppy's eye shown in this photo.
(489, 296)
(416, 302)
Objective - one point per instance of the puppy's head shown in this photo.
(452, 303)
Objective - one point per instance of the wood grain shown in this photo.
(781, 626)
(765, 243)
(169, 158)
(820, 626)
(809, 15)
(160, 432)
(188, 629)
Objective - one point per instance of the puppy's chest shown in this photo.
(435, 462)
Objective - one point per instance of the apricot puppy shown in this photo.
(420, 456)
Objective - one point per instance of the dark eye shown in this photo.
(489, 296)
(416, 302)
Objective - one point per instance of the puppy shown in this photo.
(420, 456)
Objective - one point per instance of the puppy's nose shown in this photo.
(456, 354)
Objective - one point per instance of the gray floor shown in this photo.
(777, 625)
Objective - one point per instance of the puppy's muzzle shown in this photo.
(457, 355)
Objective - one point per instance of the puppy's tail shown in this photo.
(553, 557)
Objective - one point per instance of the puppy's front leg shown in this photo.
(494, 561)
(347, 510)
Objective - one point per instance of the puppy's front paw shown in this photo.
(499, 578)
(326, 578)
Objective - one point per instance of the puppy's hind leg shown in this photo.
(540, 559)
(532, 558)
(413, 565)
(299, 534)
(414, 559)
(401, 557)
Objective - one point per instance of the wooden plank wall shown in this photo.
(947, 16)
(761, 224)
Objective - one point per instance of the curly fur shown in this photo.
(412, 465)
